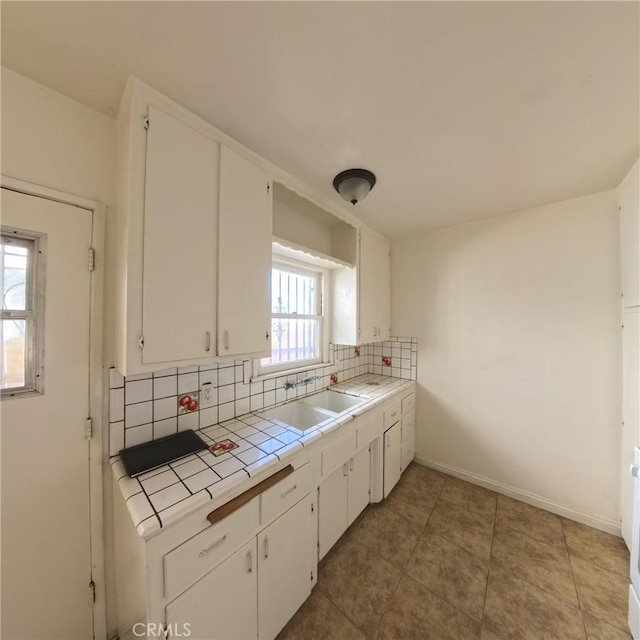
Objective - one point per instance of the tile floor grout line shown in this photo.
(343, 538)
(404, 570)
(410, 577)
(575, 584)
(386, 607)
(486, 589)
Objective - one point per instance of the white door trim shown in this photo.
(96, 445)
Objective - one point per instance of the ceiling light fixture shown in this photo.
(354, 184)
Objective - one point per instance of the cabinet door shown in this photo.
(630, 414)
(359, 484)
(630, 237)
(374, 287)
(332, 509)
(383, 299)
(180, 238)
(367, 287)
(408, 439)
(223, 605)
(285, 562)
(244, 257)
(392, 457)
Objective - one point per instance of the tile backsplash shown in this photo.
(145, 407)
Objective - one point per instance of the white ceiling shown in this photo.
(462, 109)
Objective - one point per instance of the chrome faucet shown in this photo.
(304, 381)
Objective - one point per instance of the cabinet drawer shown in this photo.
(408, 403)
(287, 492)
(392, 414)
(338, 453)
(191, 560)
(367, 430)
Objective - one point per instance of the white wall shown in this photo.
(518, 326)
(50, 140)
(54, 141)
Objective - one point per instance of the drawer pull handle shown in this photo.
(249, 562)
(394, 414)
(351, 464)
(288, 491)
(345, 469)
(266, 547)
(210, 548)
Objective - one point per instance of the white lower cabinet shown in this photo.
(408, 439)
(392, 457)
(285, 570)
(359, 484)
(332, 509)
(254, 592)
(221, 606)
(341, 498)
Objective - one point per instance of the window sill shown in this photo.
(289, 372)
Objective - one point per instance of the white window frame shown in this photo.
(294, 266)
(33, 314)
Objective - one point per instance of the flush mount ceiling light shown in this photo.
(354, 184)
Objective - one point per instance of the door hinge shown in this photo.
(312, 576)
(92, 258)
(268, 188)
(92, 593)
(312, 509)
(89, 428)
(140, 342)
(145, 123)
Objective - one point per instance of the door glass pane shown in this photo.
(13, 353)
(293, 293)
(15, 260)
(293, 340)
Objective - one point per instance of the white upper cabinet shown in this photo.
(191, 241)
(244, 256)
(628, 198)
(374, 279)
(179, 242)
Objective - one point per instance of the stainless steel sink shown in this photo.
(332, 401)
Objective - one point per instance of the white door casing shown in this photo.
(51, 478)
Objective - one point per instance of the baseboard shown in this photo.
(610, 526)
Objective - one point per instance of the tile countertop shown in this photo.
(161, 496)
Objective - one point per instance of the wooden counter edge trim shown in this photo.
(227, 509)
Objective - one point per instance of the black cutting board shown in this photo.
(150, 455)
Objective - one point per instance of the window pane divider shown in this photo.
(294, 316)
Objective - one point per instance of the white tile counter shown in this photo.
(160, 497)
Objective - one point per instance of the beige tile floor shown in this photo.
(442, 559)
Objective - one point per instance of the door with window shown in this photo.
(44, 375)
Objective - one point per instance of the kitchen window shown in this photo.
(297, 320)
(21, 327)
